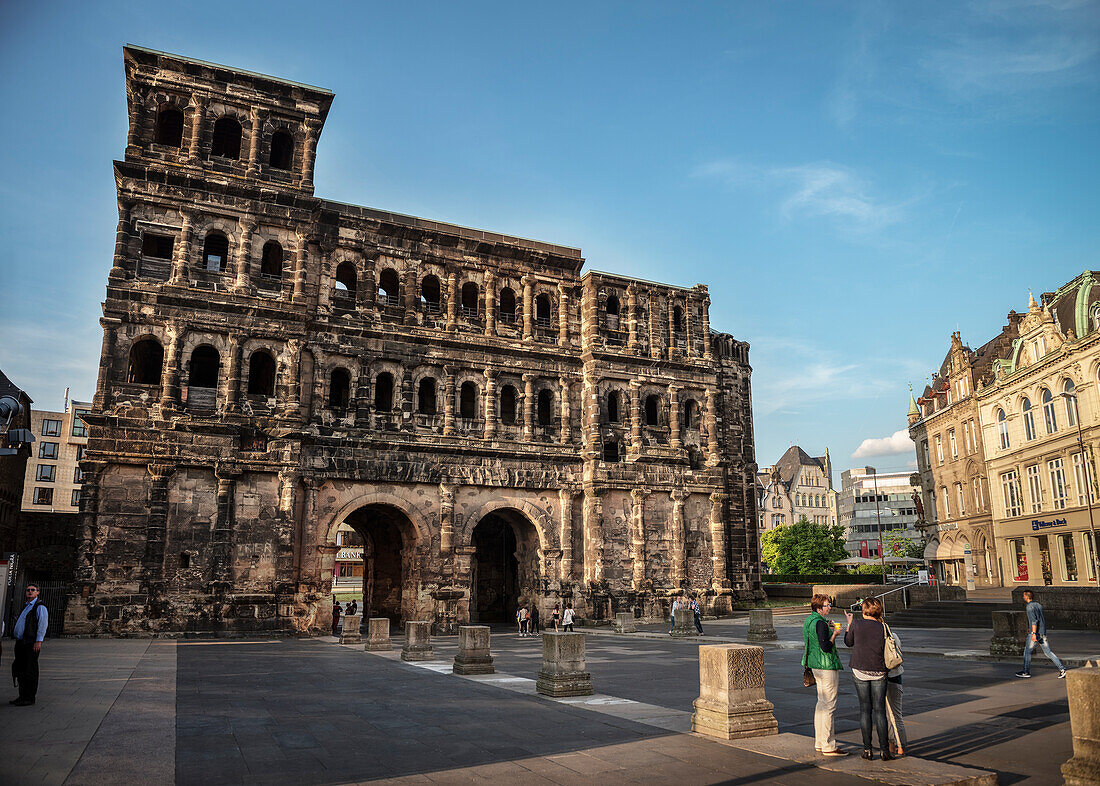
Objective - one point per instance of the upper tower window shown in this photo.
(170, 127)
(506, 306)
(542, 310)
(469, 299)
(429, 294)
(146, 362)
(345, 277)
(677, 319)
(282, 150)
(388, 290)
(271, 264)
(215, 251)
(227, 138)
(613, 312)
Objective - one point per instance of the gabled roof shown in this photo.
(794, 458)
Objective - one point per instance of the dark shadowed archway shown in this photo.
(389, 548)
(504, 570)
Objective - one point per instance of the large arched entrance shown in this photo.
(504, 570)
(389, 545)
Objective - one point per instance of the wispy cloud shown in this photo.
(896, 443)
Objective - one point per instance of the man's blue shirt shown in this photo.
(1035, 618)
(43, 621)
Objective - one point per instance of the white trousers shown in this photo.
(828, 683)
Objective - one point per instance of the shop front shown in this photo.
(1047, 550)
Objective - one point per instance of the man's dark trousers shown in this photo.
(25, 665)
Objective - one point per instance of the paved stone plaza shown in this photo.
(312, 711)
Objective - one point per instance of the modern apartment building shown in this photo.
(865, 499)
(53, 478)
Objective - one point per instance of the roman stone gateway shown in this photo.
(494, 424)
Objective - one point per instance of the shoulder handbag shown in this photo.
(891, 652)
(808, 680)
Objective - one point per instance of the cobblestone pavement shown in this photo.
(304, 712)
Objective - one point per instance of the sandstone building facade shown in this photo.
(494, 424)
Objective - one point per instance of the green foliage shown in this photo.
(802, 547)
(895, 544)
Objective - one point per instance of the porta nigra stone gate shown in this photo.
(497, 426)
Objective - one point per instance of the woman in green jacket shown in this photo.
(819, 636)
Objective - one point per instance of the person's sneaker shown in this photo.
(23, 702)
(837, 752)
(1062, 674)
(1023, 675)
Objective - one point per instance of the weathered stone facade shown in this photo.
(494, 423)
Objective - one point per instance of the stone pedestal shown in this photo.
(378, 635)
(624, 622)
(418, 641)
(473, 651)
(1009, 633)
(761, 627)
(349, 634)
(1083, 687)
(562, 672)
(731, 702)
(684, 624)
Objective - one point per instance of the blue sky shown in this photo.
(853, 181)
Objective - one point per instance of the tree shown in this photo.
(802, 547)
(896, 544)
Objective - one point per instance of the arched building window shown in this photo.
(383, 392)
(469, 299)
(467, 401)
(425, 399)
(227, 138)
(677, 319)
(691, 413)
(1050, 415)
(261, 374)
(506, 306)
(545, 406)
(271, 261)
(429, 294)
(388, 289)
(215, 251)
(203, 370)
(1029, 419)
(1071, 402)
(282, 150)
(170, 127)
(611, 450)
(1002, 428)
(339, 389)
(652, 406)
(346, 278)
(612, 308)
(542, 310)
(613, 414)
(508, 405)
(146, 362)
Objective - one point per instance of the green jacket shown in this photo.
(813, 657)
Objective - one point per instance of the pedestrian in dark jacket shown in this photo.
(335, 618)
(867, 639)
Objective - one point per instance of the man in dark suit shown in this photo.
(29, 631)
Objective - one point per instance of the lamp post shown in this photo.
(878, 515)
(1071, 396)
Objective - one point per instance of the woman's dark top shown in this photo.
(867, 638)
(825, 636)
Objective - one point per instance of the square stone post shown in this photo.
(761, 626)
(378, 635)
(731, 703)
(473, 651)
(350, 634)
(624, 622)
(1010, 631)
(562, 673)
(683, 623)
(1083, 687)
(418, 641)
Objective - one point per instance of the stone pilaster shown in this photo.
(156, 524)
(705, 307)
(198, 119)
(233, 375)
(301, 259)
(137, 119)
(566, 427)
(490, 404)
(452, 301)
(637, 537)
(122, 241)
(565, 502)
(678, 539)
(674, 440)
(713, 456)
(563, 315)
(110, 327)
(243, 279)
(689, 330)
(170, 377)
(635, 420)
(182, 252)
(309, 151)
(718, 539)
(657, 306)
(448, 402)
(490, 304)
(257, 132)
(528, 407)
(221, 543)
(446, 518)
(293, 382)
(592, 527)
(528, 309)
(632, 319)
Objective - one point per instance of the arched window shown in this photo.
(467, 401)
(170, 127)
(339, 389)
(691, 413)
(261, 374)
(345, 278)
(282, 150)
(508, 405)
(611, 450)
(203, 372)
(383, 392)
(1029, 419)
(429, 295)
(612, 308)
(469, 299)
(677, 319)
(545, 407)
(506, 306)
(1071, 403)
(1002, 428)
(1049, 413)
(271, 262)
(652, 405)
(613, 407)
(695, 460)
(388, 289)
(227, 138)
(542, 310)
(146, 362)
(215, 251)
(425, 403)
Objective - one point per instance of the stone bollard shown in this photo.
(562, 672)
(624, 622)
(1083, 768)
(731, 702)
(349, 634)
(473, 651)
(761, 626)
(684, 624)
(1009, 633)
(418, 641)
(378, 635)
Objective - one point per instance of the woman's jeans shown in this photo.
(872, 705)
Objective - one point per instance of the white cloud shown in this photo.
(898, 442)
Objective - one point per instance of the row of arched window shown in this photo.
(215, 253)
(1051, 413)
(226, 142)
(613, 311)
(810, 500)
(616, 403)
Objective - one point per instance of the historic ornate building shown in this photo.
(495, 424)
(798, 486)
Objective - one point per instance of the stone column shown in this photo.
(705, 306)
(674, 441)
(713, 456)
(452, 300)
(656, 309)
(110, 327)
(349, 633)
(122, 242)
(233, 375)
(563, 666)
(679, 539)
(632, 319)
(446, 518)
(378, 635)
(418, 641)
(689, 330)
(732, 704)
(563, 316)
(718, 539)
(170, 379)
(294, 378)
(222, 537)
(637, 537)
(137, 119)
(528, 309)
(490, 404)
(288, 483)
(198, 119)
(156, 525)
(408, 293)
(473, 651)
(566, 427)
(490, 304)
(448, 402)
(254, 142)
(591, 527)
(301, 257)
(309, 149)
(761, 626)
(244, 255)
(1083, 687)
(182, 253)
(528, 407)
(565, 501)
(635, 419)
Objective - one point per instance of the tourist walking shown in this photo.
(567, 617)
(1036, 636)
(893, 704)
(672, 614)
(534, 629)
(555, 618)
(29, 632)
(335, 617)
(521, 620)
(354, 607)
(867, 639)
(819, 655)
(697, 615)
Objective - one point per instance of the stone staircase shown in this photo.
(948, 614)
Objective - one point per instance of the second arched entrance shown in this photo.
(389, 547)
(504, 569)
